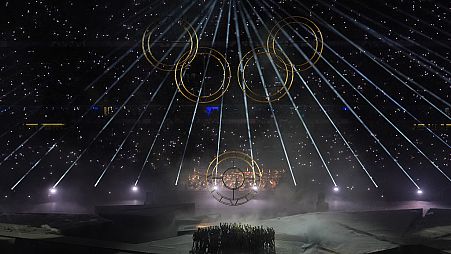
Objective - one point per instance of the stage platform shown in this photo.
(329, 232)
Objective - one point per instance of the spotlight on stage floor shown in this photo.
(255, 188)
(135, 188)
(336, 189)
(53, 191)
(419, 192)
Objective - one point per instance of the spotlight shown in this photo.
(255, 188)
(52, 191)
(135, 188)
(419, 192)
(215, 187)
(336, 189)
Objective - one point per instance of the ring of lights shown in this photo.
(246, 192)
(274, 96)
(282, 61)
(186, 58)
(319, 41)
(180, 66)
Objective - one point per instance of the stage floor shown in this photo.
(329, 232)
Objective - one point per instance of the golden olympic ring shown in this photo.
(289, 73)
(180, 65)
(186, 58)
(319, 41)
(212, 170)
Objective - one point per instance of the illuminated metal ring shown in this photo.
(277, 95)
(282, 90)
(186, 58)
(319, 41)
(212, 171)
(204, 98)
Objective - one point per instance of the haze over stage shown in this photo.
(332, 232)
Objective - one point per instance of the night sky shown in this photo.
(357, 119)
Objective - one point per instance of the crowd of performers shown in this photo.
(234, 238)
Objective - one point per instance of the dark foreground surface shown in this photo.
(133, 229)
